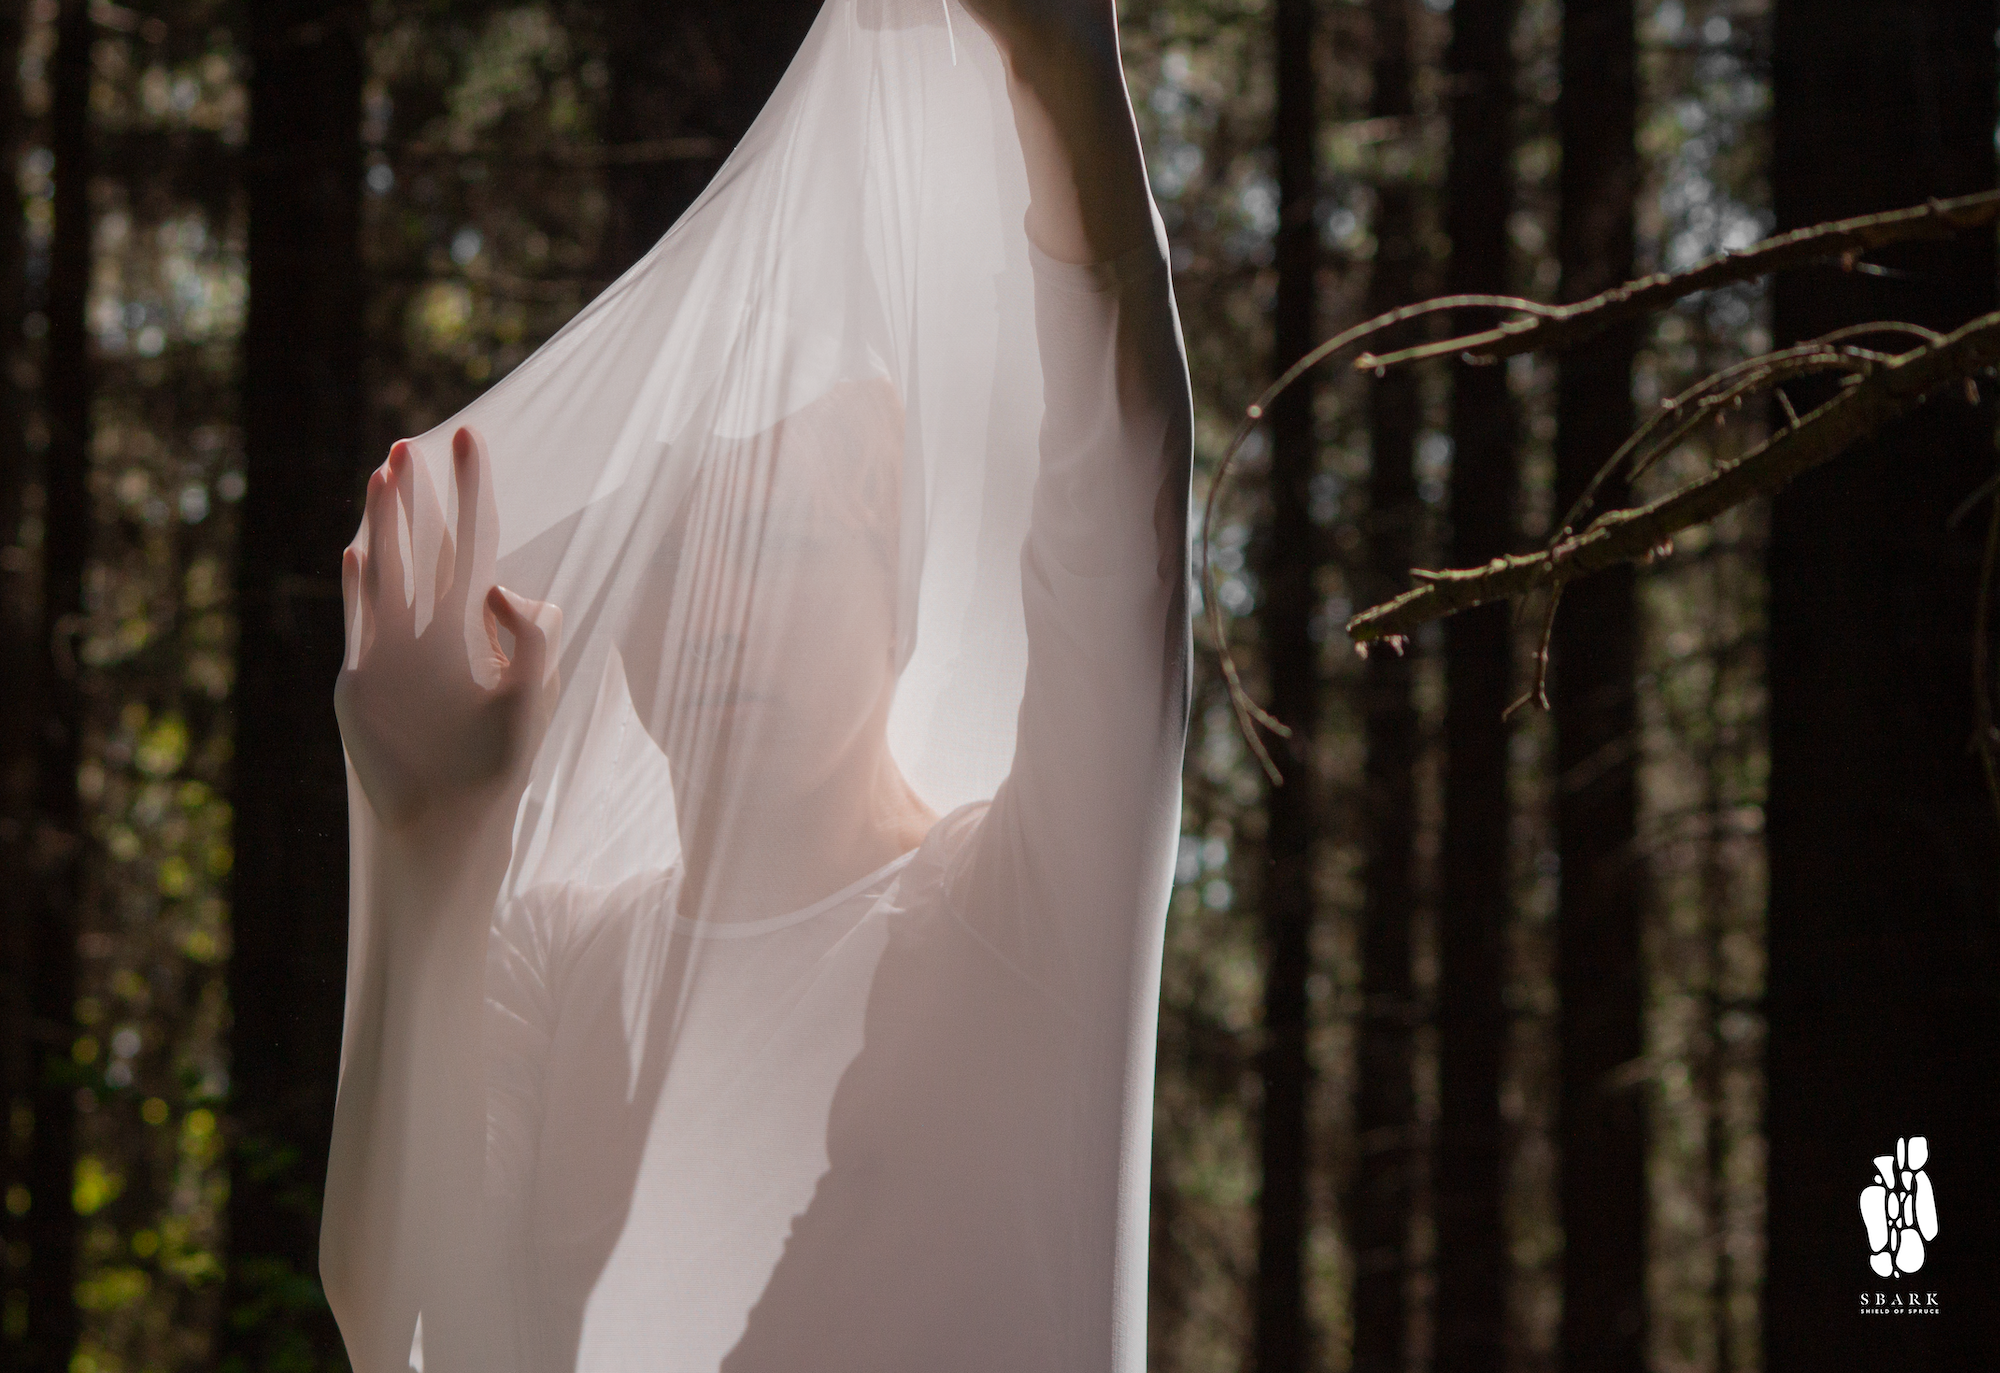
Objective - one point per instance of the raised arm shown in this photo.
(1086, 173)
(1074, 858)
(440, 726)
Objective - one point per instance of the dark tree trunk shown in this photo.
(1883, 990)
(684, 72)
(1601, 1109)
(51, 1326)
(17, 670)
(1290, 566)
(1474, 904)
(302, 410)
(1714, 1064)
(1379, 1197)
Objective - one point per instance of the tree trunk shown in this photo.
(1600, 982)
(1290, 574)
(684, 71)
(1713, 1065)
(1474, 906)
(1379, 1206)
(302, 412)
(51, 1325)
(1883, 990)
(17, 666)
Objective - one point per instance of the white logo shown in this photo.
(1900, 1211)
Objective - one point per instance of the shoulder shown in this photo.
(940, 861)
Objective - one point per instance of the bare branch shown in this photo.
(1889, 389)
(1844, 240)
(1708, 399)
(1537, 693)
(1899, 385)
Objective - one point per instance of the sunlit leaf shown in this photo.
(96, 1186)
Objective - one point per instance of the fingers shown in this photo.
(470, 471)
(382, 566)
(430, 546)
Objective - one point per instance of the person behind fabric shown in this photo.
(839, 1089)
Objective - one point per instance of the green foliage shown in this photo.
(96, 1186)
(167, 304)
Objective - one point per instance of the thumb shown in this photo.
(536, 627)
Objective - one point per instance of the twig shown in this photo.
(1971, 503)
(1537, 693)
(1248, 713)
(1892, 388)
(1845, 240)
(1737, 381)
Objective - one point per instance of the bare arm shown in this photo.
(440, 726)
(1086, 173)
(1072, 862)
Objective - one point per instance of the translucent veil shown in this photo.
(778, 480)
(862, 247)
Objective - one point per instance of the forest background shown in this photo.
(1488, 1041)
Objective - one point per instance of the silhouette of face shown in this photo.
(778, 658)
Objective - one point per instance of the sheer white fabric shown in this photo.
(693, 1038)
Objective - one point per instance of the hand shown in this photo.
(439, 720)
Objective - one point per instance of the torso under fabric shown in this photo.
(905, 1129)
